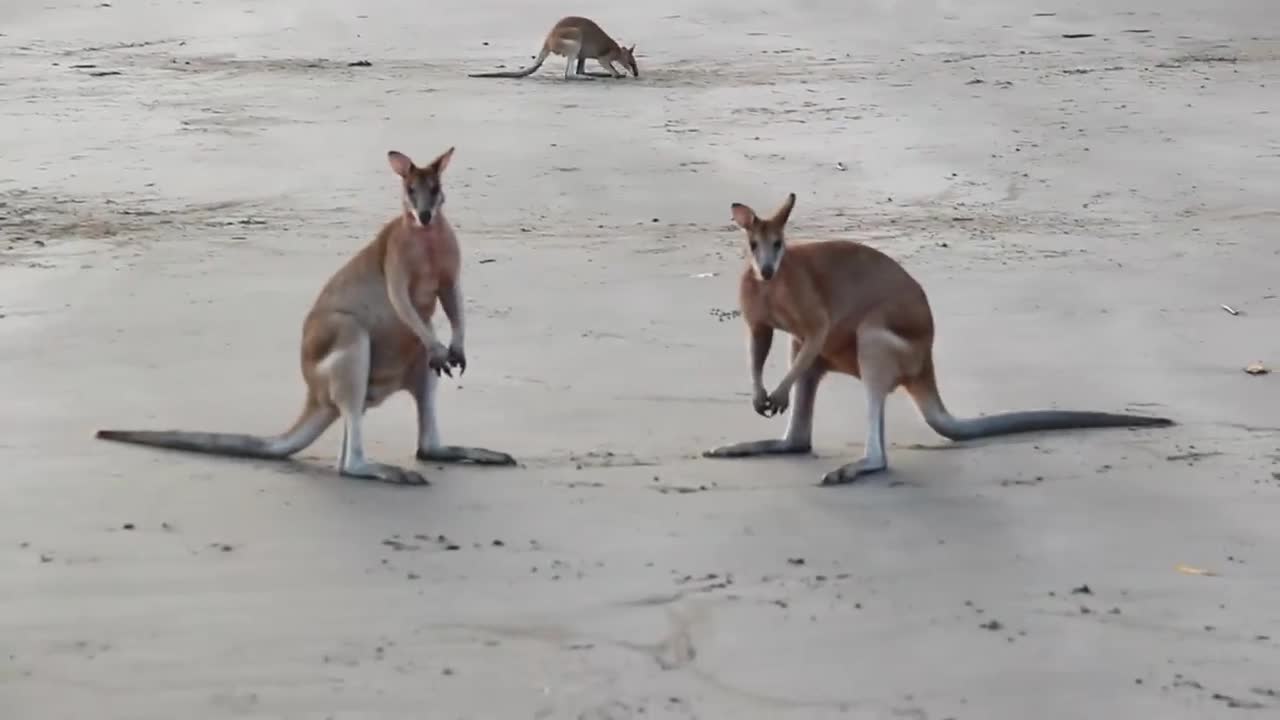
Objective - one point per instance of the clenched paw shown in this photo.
(760, 402)
(438, 359)
(779, 401)
(457, 357)
(770, 404)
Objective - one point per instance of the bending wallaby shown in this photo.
(368, 336)
(578, 39)
(851, 309)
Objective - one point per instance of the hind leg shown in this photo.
(880, 362)
(798, 438)
(429, 447)
(575, 63)
(874, 459)
(347, 370)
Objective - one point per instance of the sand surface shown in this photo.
(1078, 209)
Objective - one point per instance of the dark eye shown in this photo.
(753, 244)
(777, 244)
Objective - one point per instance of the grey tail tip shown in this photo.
(143, 437)
(1150, 421)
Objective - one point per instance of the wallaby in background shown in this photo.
(578, 39)
(368, 336)
(852, 309)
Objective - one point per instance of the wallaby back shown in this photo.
(588, 34)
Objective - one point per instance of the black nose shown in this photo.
(424, 217)
(766, 272)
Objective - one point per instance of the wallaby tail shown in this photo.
(924, 390)
(526, 72)
(313, 421)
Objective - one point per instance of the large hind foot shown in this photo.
(759, 447)
(846, 474)
(458, 454)
(384, 473)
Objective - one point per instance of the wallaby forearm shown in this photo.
(761, 342)
(398, 292)
(810, 348)
(451, 303)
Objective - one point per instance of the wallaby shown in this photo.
(578, 39)
(851, 309)
(368, 336)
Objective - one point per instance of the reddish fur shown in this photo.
(854, 310)
(369, 335)
(595, 42)
(857, 288)
(433, 259)
(582, 36)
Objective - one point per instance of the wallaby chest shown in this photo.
(433, 259)
(773, 304)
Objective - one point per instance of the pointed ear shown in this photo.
(400, 163)
(632, 49)
(784, 212)
(442, 162)
(744, 216)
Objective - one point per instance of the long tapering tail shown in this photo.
(525, 72)
(924, 390)
(313, 421)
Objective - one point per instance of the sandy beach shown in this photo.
(1080, 189)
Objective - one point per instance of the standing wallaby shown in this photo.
(851, 309)
(578, 39)
(368, 336)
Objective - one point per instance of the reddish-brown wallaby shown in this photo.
(368, 336)
(578, 39)
(851, 309)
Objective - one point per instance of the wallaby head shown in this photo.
(765, 237)
(628, 59)
(423, 191)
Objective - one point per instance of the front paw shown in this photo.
(438, 359)
(779, 401)
(458, 358)
(770, 404)
(760, 402)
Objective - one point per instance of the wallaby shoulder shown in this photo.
(835, 265)
(359, 283)
(866, 283)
